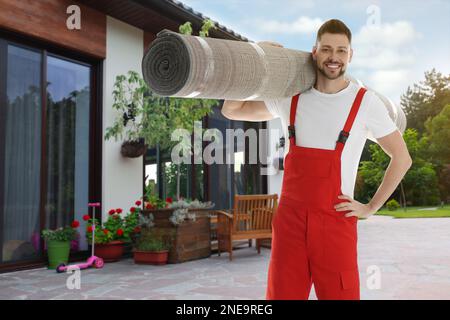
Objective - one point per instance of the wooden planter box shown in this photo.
(191, 240)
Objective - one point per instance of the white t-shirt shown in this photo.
(321, 116)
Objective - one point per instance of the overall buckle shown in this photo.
(343, 136)
(291, 130)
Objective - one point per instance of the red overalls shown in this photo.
(311, 241)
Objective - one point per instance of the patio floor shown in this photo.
(413, 256)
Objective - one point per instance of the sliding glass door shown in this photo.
(20, 151)
(67, 143)
(45, 103)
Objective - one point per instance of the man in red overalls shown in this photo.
(315, 227)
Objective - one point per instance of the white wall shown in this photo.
(275, 179)
(122, 178)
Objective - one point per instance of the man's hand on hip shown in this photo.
(357, 208)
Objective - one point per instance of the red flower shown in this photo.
(105, 231)
(111, 212)
(169, 199)
(86, 217)
(137, 230)
(132, 209)
(89, 229)
(138, 203)
(120, 232)
(149, 206)
(119, 211)
(75, 224)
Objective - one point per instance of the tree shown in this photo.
(426, 99)
(420, 182)
(438, 133)
(437, 140)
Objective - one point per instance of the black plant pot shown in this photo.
(133, 149)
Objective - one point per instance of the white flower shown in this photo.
(181, 212)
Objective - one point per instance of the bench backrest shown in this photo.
(254, 212)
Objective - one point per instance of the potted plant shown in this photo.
(150, 245)
(113, 234)
(58, 243)
(185, 223)
(151, 252)
(129, 100)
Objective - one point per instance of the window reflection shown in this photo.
(68, 104)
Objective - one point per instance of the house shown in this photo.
(58, 63)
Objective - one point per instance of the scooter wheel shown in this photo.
(99, 263)
(60, 267)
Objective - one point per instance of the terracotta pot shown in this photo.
(150, 257)
(109, 252)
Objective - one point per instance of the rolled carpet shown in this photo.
(186, 66)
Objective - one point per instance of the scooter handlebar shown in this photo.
(94, 204)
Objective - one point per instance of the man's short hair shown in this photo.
(334, 26)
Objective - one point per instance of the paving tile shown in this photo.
(412, 255)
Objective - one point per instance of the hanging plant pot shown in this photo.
(133, 148)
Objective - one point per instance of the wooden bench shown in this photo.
(250, 218)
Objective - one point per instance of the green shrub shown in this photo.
(152, 245)
(392, 205)
(60, 234)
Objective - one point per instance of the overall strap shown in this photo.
(344, 134)
(291, 127)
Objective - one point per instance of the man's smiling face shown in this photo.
(332, 54)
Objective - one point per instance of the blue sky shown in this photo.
(394, 42)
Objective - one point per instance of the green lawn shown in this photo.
(413, 212)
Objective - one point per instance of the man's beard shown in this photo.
(322, 71)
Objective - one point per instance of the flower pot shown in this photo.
(133, 149)
(109, 252)
(58, 252)
(151, 257)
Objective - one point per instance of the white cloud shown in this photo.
(397, 34)
(303, 25)
(381, 57)
(390, 82)
(387, 53)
